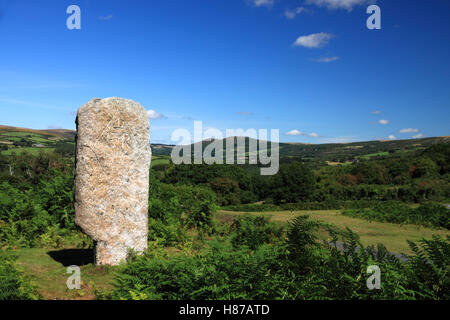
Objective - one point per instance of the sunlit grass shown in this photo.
(393, 236)
(50, 275)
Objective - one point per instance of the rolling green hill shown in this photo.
(14, 138)
(342, 152)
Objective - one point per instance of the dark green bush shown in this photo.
(428, 214)
(253, 231)
(13, 284)
(175, 209)
(429, 268)
(220, 273)
(41, 215)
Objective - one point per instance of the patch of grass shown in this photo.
(32, 137)
(50, 275)
(393, 236)
(370, 155)
(11, 139)
(33, 150)
(160, 160)
(24, 135)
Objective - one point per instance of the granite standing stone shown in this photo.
(112, 177)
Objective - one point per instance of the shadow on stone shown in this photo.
(69, 257)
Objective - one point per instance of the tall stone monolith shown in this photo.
(112, 176)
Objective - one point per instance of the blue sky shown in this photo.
(309, 68)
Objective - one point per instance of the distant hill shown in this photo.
(56, 133)
(161, 149)
(348, 151)
(15, 137)
(341, 152)
(63, 133)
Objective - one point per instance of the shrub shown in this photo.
(429, 268)
(13, 284)
(253, 231)
(428, 214)
(220, 273)
(37, 216)
(174, 209)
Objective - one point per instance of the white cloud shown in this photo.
(108, 17)
(291, 14)
(383, 121)
(327, 59)
(376, 112)
(392, 137)
(294, 132)
(152, 114)
(262, 3)
(315, 40)
(244, 113)
(418, 136)
(409, 130)
(340, 4)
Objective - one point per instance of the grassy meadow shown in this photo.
(393, 236)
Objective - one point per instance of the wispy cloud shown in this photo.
(409, 130)
(326, 59)
(108, 17)
(152, 114)
(262, 3)
(392, 137)
(315, 40)
(376, 112)
(31, 104)
(163, 128)
(340, 4)
(25, 81)
(291, 14)
(296, 132)
(418, 136)
(383, 121)
(244, 113)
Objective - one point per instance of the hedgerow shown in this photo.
(13, 284)
(429, 214)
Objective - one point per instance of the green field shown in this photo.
(33, 137)
(393, 236)
(10, 138)
(160, 160)
(49, 273)
(378, 154)
(33, 150)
